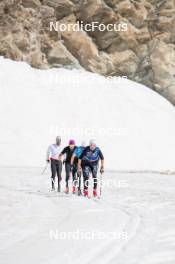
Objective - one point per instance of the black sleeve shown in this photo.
(101, 155)
(83, 154)
(64, 151)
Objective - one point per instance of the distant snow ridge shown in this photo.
(133, 125)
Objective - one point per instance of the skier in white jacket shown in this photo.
(53, 152)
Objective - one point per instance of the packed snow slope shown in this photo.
(140, 211)
(133, 125)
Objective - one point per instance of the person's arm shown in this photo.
(80, 159)
(62, 153)
(102, 166)
(72, 159)
(74, 155)
(79, 165)
(102, 161)
(83, 154)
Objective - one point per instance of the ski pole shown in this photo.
(45, 168)
(100, 184)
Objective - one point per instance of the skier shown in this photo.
(69, 150)
(74, 162)
(53, 152)
(89, 160)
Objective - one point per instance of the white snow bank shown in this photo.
(133, 125)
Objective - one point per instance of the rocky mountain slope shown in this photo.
(145, 52)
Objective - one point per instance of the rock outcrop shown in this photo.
(145, 52)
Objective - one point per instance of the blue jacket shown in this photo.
(78, 151)
(91, 156)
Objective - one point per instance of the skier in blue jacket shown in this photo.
(77, 153)
(89, 161)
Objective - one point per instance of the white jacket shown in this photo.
(53, 152)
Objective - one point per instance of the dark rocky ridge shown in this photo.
(145, 53)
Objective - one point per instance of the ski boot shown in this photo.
(74, 190)
(59, 187)
(79, 192)
(53, 186)
(86, 193)
(95, 193)
(67, 190)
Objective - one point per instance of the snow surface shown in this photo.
(135, 128)
(139, 208)
(133, 125)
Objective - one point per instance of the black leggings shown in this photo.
(68, 173)
(79, 180)
(56, 169)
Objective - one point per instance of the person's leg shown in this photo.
(79, 182)
(94, 175)
(74, 182)
(53, 170)
(67, 169)
(59, 170)
(95, 180)
(86, 171)
(74, 172)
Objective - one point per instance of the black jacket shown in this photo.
(69, 152)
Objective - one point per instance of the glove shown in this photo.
(48, 160)
(101, 169)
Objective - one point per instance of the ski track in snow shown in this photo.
(144, 209)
